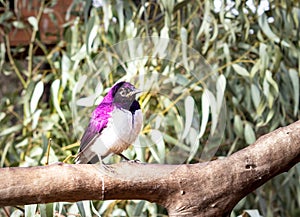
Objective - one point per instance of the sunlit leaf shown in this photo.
(240, 70)
(36, 95)
(205, 112)
(55, 96)
(33, 22)
(189, 104)
(220, 86)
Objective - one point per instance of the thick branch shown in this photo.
(209, 189)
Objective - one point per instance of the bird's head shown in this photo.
(124, 94)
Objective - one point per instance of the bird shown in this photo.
(114, 125)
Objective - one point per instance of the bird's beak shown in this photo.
(135, 91)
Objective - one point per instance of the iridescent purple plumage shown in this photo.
(114, 124)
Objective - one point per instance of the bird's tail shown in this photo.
(81, 158)
(84, 159)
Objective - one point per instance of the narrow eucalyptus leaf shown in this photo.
(189, 104)
(240, 70)
(249, 134)
(294, 76)
(36, 95)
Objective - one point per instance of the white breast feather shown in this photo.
(122, 130)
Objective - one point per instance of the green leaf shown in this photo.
(238, 126)
(10, 130)
(36, 95)
(255, 95)
(240, 70)
(271, 81)
(249, 134)
(30, 210)
(91, 33)
(120, 11)
(139, 208)
(46, 210)
(294, 76)
(263, 23)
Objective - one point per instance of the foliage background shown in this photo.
(256, 48)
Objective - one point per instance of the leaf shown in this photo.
(33, 22)
(240, 70)
(205, 113)
(120, 11)
(65, 70)
(220, 86)
(189, 104)
(2, 116)
(183, 37)
(255, 95)
(157, 138)
(263, 23)
(35, 118)
(251, 213)
(107, 13)
(238, 126)
(249, 134)
(214, 112)
(91, 34)
(195, 142)
(17, 213)
(46, 209)
(295, 81)
(10, 130)
(138, 211)
(55, 96)
(30, 210)
(36, 95)
(271, 81)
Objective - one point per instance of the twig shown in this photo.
(12, 62)
(33, 36)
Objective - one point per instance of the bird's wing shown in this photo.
(91, 133)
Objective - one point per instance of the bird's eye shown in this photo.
(123, 92)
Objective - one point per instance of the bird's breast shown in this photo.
(122, 130)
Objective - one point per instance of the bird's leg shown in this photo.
(103, 166)
(122, 156)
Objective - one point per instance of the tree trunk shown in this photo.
(204, 189)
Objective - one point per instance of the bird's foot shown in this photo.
(106, 168)
(135, 161)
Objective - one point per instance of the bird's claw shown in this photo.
(135, 161)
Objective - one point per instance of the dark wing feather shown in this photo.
(91, 133)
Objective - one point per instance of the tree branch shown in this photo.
(207, 189)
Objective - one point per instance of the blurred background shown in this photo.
(50, 63)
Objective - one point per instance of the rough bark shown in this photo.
(207, 189)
